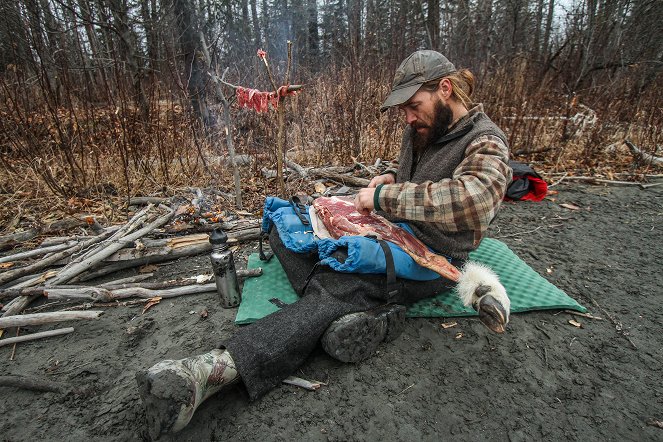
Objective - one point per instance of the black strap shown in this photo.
(261, 253)
(393, 286)
(277, 302)
(300, 209)
(310, 275)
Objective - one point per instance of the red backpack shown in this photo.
(526, 184)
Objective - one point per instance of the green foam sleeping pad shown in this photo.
(527, 289)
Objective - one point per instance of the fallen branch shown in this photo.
(34, 384)
(145, 200)
(296, 167)
(43, 263)
(594, 180)
(99, 294)
(37, 252)
(348, 180)
(46, 318)
(127, 280)
(584, 315)
(647, 157)
(160, 255)
(34, 336)
(11, 240)
(123, 283)
(77, 268)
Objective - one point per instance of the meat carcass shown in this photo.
(341, 218)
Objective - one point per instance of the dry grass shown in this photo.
(59, 161)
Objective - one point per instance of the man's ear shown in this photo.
(445, 88)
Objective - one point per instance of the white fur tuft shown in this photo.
(474, 275)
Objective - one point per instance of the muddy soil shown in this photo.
(543, 379)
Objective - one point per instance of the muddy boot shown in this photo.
(355, 337)
(172, 390)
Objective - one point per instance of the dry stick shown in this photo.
(155, 259)
(229, 226)
(34, 384)
(296, 167)
(242, 273)
(37, 252)
(43, 263)
(618, 325)
(128, 280)
(46, 318)
(345, 179)
(118, 235)
(280, 137)
(182, 246)
(642, 154)
(584, 315)
(123, 283)
(54, 240)
(228, 127)
(69, 272)
(593, 180)
(144, 200)
(34, 336)
(11, 358)
(99, 294)
(559, 180)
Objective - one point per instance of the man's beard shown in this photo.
(442, 118)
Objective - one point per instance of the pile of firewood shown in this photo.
(59, 267)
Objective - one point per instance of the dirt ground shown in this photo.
(543, 379)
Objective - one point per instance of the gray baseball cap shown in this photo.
(415, 70)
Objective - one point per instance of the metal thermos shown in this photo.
(225, 275)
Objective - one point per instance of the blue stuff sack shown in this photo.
(364, 255)
(294, 234)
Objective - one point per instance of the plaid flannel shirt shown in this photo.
(467, 201)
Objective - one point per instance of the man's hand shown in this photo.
(387, 178)
(364, 200)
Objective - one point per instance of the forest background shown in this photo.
(101, 100)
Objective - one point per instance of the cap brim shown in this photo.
(399, 96)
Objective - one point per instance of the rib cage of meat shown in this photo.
(342, 219)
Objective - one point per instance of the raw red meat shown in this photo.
(342, 219)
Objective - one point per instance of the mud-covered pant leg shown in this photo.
(272, 348)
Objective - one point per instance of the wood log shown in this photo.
(127, 280)
(77, 268)
(34, 336)
(185, 246)
(297, 168)
(37, 252)
(98, 294)
(647, 157)
(144, 200)
(46, 318)
(120, 233)
(43, 263)
(132, 281)
(241, 224)
(9, 241)
(348, 180)
(17, 305)
(170, 254)
(54, 240)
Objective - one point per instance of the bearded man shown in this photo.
(452, 176)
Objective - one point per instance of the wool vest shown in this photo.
(437, 162)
